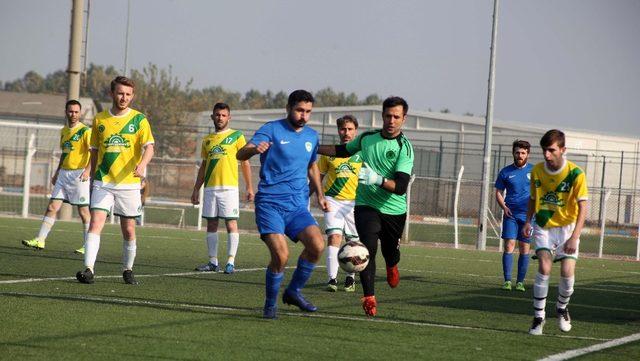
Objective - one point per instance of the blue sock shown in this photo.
(507, 261)
(523, 265)
(272, 285)
(301, 275)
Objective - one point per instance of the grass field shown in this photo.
(448, 306)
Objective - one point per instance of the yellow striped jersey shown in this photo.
(341, 176)
(556, 194)
(75, 143)
(219, 153)
(119, 141)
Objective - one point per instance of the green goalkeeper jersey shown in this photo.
(385, 157)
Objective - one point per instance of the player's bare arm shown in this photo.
(140, 169)
(55, 175)
(93, 161)
(246, 174)
(526, 229)
(195, 195)
(502, 204)
(314, 178)
(572, 243)
(250, 149)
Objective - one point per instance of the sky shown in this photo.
(564, 63)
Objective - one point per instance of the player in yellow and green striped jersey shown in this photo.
(121, 147)
(340, 180)
(219, 175)
(71, 184)
(559, 204)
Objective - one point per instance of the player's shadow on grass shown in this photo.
(587, 305)
(246, 313)
(76, 258)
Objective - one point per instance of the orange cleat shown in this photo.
(393, 277)
(369, 305)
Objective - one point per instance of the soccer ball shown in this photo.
(353, 257)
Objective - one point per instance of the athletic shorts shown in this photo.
(221, 203)
(70, 189)
(125, 202)
(553, 239)
(275, 218)
(512, 229)
(340, 220)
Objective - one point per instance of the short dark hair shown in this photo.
(72, 102)
(298, 96)
(221, 106)
(393, 101)
(552, 136)
(522, 144)
(348, 118)
(123, 80)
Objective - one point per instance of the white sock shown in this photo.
(91, 247)
(332, 262)
(85, 226)
(128, 254)
(540, 290)
(47, 224)
(565, 290)
(232, 246)
(212, 246)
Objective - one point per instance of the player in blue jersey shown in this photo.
(515, 179)
(287, 151)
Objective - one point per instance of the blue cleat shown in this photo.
(296, 299)
(229, 269)
(270, 312)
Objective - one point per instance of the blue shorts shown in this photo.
(512, 229)
(274, 218)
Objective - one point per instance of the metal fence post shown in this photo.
(638, 244)
(455, 208)
(26, 184)
(405, 234)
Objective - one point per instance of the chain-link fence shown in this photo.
(611, 228)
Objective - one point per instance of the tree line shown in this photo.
(96, 80)
(170, 104)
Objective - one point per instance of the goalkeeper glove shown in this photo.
(368, 176)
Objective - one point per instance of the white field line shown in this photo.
(260, 242)
(194, 273)
(188, 306)
(593, 348)
(178, 274)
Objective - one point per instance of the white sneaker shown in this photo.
(537, 326)
(564, 320)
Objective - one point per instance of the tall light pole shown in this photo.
(488, 128)
(126, 41)
(75, 48)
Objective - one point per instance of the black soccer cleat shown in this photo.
(85, 276)
(128, 277)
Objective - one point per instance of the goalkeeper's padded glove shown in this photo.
(368, 176)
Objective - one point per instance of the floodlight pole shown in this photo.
(481, 243)
(126, 41)
(75, 48)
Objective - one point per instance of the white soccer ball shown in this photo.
(353, 257)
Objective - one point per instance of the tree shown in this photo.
(97, 82)
(162, 98)
(56, 82)
(372, 99)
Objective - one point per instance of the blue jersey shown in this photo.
(285, 164)
(517, 182)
